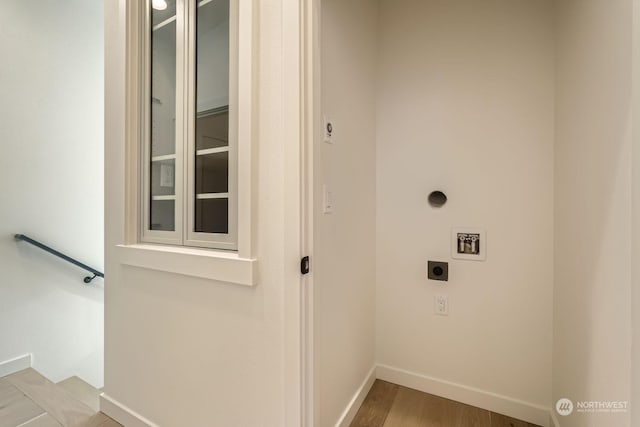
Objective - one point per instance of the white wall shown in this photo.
(51, 175)
(344, 241)
(466, 105)
(592, 316)
(184, 351)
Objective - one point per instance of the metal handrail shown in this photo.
(67, 258)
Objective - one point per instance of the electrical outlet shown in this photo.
(441, 306)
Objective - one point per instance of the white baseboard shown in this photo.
(356, 401)
(122, 414)
(515, 408)
(15, 365)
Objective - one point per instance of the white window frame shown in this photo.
(147, 234)
(191, 237)
(184, 234)
(140, 249)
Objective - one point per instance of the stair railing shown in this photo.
(87, 280)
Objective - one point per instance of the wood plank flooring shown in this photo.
(391, 405)
(82, 391)
(45, 420)
(27, 399)
(15, 407)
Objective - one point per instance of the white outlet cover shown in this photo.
(441, 305)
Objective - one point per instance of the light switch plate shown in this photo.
(327, 200)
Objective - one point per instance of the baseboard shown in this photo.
(553, 420)
(15, 365)
(122, 414)
(356, 401)
(525, 411)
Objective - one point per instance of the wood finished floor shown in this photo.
(27, 399)
(391, 405)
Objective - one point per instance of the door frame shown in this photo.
(301, 108)
(299, 37)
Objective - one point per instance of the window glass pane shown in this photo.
(163, 10)
(212, 215)
(212, 174)
(212, 129)
(212, 117)
(163, 178)
(163, 215)
(163, 114)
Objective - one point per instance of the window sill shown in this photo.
(207, 264)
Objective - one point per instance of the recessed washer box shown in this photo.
(469, 244)
(438, 270)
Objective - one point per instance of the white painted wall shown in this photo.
(184, 351)
(466, 105)
(344, 241)
(592, 319)
(51, 182)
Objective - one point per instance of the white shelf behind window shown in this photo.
(212, 151)
(204, 196)
(167, 197)
(164, 23)
(163, 158)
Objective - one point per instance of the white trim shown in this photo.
(207, 264)
(358, 398)
(122, 414)
(310, 107)
(525, 411)
(245, 123)
(293, 139)
(229, 240)
(14, 365)
(139, 116)
(553, 420)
